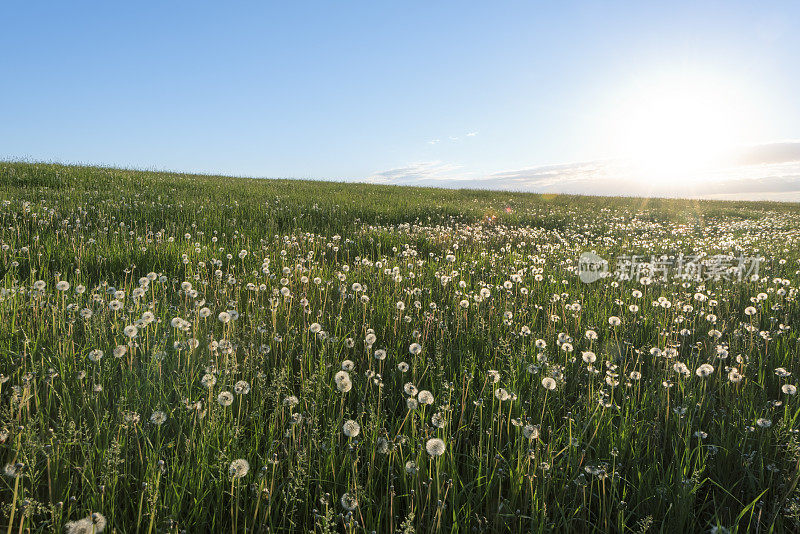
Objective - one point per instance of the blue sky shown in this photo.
(453, 93)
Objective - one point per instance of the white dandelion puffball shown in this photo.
(351, 428)
(131, 331)
(681, 369)
(225, 398)
(438, 420)
(530, 432)
(548, 383)
(14, 470)
(414, 349)
(343, 383)
(341, 375)
(502, 394)
(734, 376)
(410, 389)
(425, 397)
(435, 447)
(92, 524)
(704, 370)
(158, 418)
(208, 380)
(349, 502)
(239, 468)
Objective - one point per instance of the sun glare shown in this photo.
(673, 128)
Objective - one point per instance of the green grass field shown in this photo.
(184, 353)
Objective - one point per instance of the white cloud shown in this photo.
(779, 152)
(413, 173)
(770, 171)
(453, 138)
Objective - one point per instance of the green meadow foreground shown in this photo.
(187, 353)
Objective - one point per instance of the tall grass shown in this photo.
(156, 328)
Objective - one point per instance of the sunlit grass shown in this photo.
(191, 353)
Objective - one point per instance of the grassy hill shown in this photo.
(205, 353)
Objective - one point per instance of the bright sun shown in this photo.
(673, 128)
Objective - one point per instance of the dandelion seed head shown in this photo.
(131, 331)
(349, 502)
(158, 418)
(435, 447)
(239, 468)
(425, 397)
(530, 432)
(351, 428)
(704, 370)
(225, 398)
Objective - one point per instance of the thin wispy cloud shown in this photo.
(770, 171)
(426, 171)
(779, 152)
(453, 138)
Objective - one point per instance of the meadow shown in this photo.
(186, 353)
